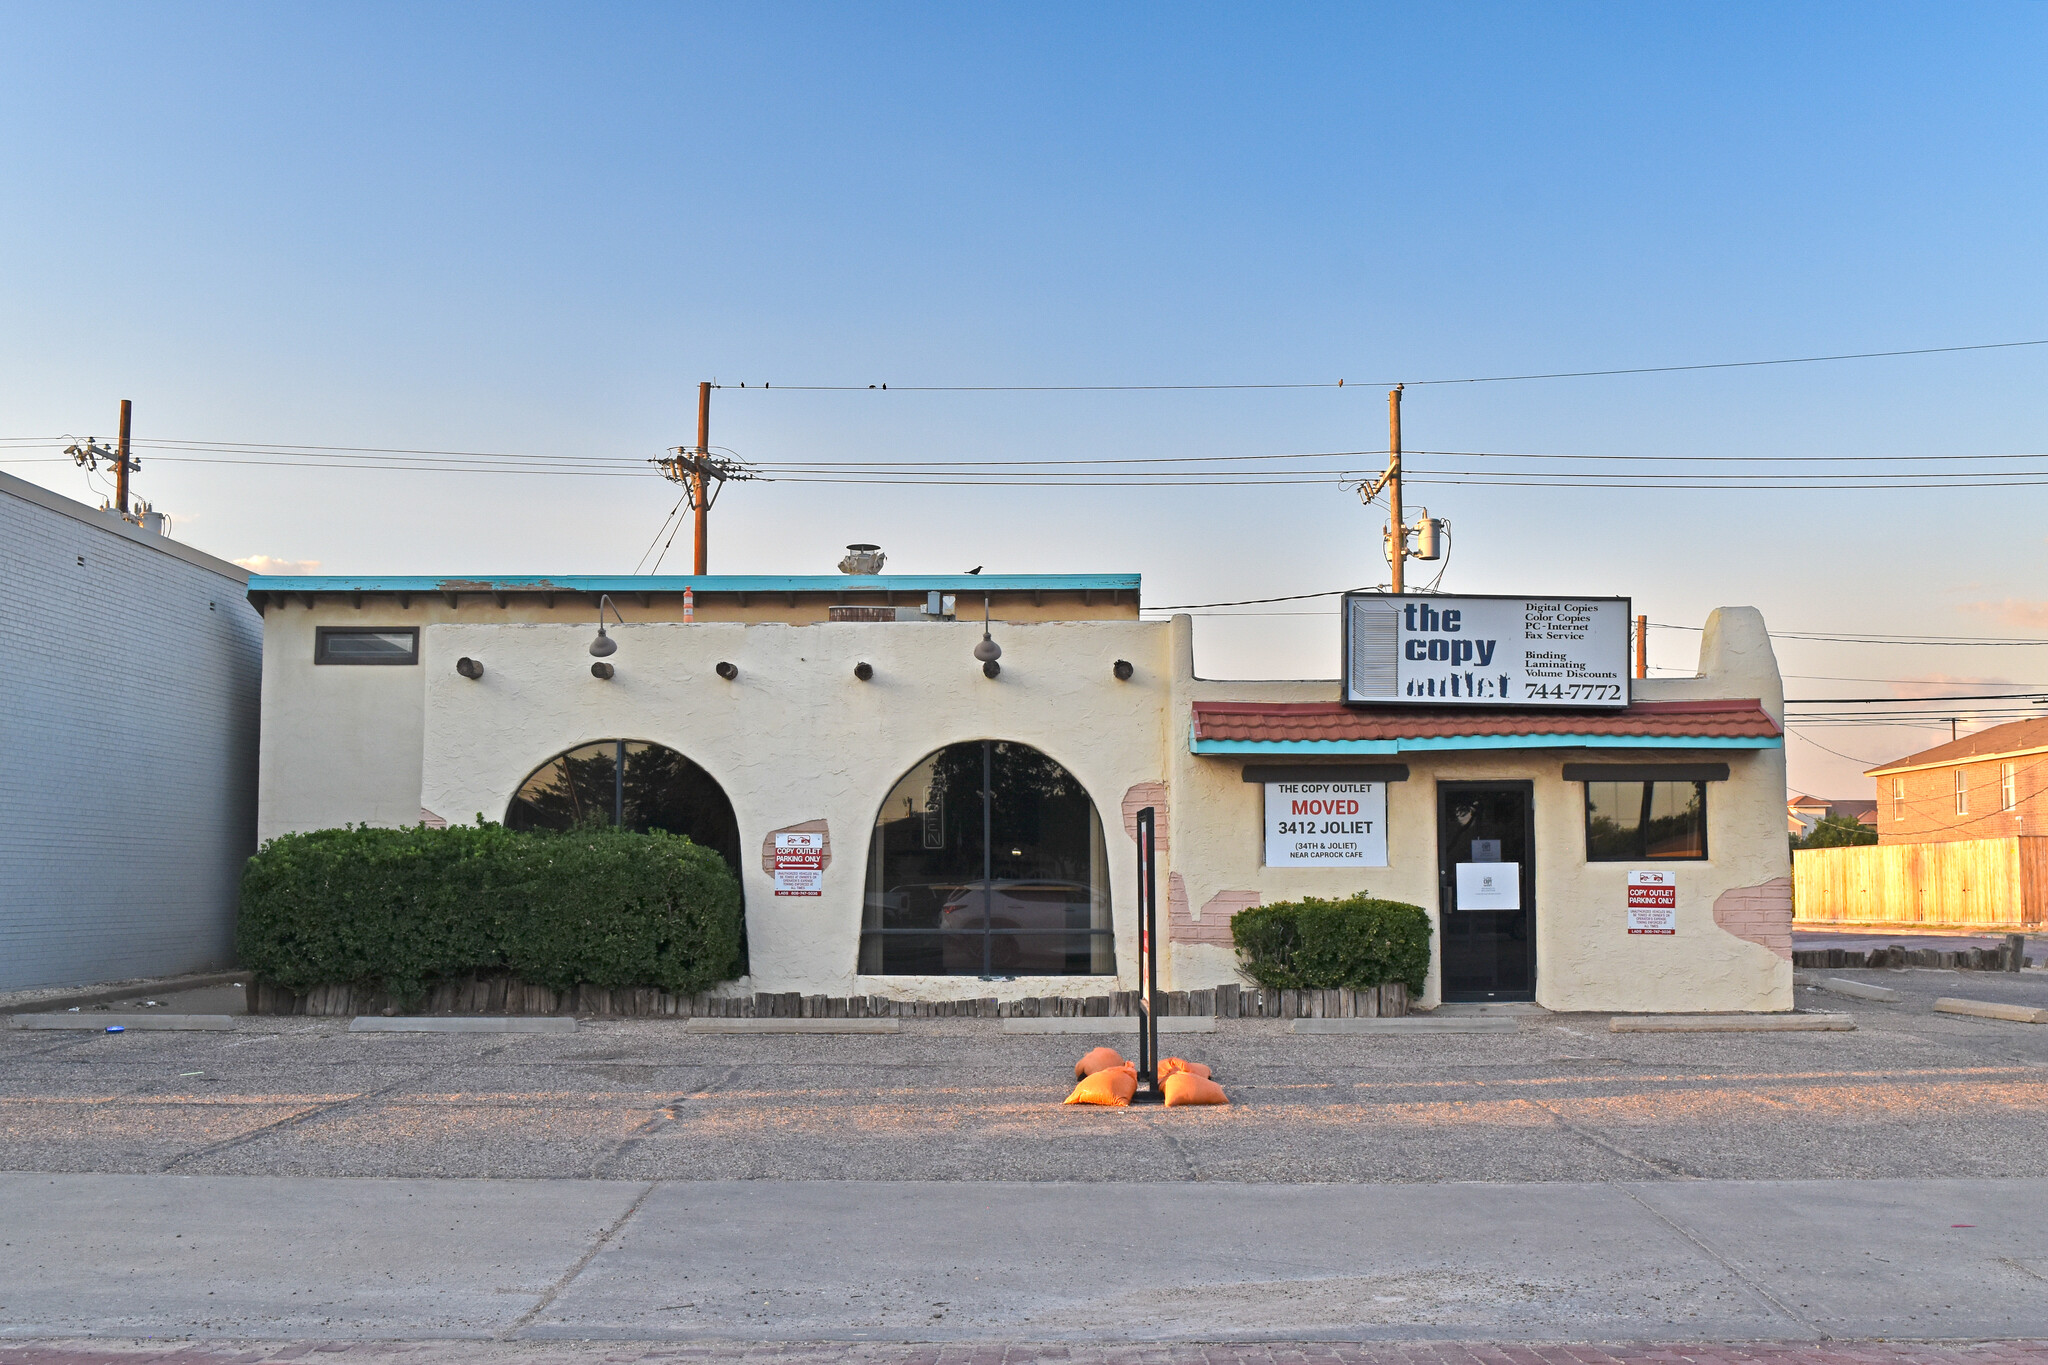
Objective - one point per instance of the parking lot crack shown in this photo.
(1179, 1149)
(664, 1115)
(1668, 1170)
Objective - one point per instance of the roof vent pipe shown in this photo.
(863, 559)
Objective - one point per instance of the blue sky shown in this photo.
(512, 229)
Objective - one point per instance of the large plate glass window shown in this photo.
(1634, 821)
(630, 784)
(987, 860)
(366, 644)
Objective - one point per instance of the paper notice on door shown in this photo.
(1489, 886)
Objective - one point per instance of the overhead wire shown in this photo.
(1411, 383)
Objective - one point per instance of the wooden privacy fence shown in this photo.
(1958, 883)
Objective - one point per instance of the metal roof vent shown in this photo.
(863, 559)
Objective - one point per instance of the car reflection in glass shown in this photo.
(1035, 926)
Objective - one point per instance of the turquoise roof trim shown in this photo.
(624, 583)
(1262, 747)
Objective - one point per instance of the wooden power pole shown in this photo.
(1642, 646)
(701, 476)
(1397, 535)
(697, 498)
(1398, 544)
(121, 465)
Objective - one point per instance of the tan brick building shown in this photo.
(1990, 785)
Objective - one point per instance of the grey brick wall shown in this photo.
(129, 683)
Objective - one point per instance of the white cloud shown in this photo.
(264, 564)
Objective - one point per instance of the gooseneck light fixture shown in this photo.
(988, 651)
(604, 645)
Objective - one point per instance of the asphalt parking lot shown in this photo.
(1909, 1093)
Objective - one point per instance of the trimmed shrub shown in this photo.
(1353, 944)
(402, 908)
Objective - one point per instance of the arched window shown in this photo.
(987, 860)
(629, 783)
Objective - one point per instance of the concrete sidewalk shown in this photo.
(340, 1259)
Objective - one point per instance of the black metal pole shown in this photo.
(619, 786)
(1148, 957)
(987, 870)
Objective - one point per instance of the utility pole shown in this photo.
(1642, 646)
(701, 476)
(1397, 534)
(89, 452)
(697, 498)
(1399, 541)
(121, 465)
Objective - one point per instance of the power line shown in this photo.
(1379, 383)
(1847, 638)
(1900, 701)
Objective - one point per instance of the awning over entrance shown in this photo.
(1259, 728)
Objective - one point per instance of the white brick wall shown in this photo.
(129, 680)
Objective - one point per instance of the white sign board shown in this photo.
(799, 864)
(1486, 651)
(1326, 824)
(1489, 886)
(1653, 902)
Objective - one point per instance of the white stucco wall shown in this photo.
(341, 742)
(796, 737)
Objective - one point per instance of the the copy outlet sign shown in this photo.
(1653, 902)
(1326, 824)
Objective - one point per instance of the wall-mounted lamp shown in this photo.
(602, 670)
(604, 645)
(864, 671)
(469, 668)
(1123, 670)
(727, 671)
(988, 651)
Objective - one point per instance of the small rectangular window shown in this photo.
(1898, 798)
(1962, 792)
(2008, 787)
(366, 645)
(1632, 821)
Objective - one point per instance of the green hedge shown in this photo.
(1352, 944)
(401, 908)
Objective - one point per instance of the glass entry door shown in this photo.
(1486, 872)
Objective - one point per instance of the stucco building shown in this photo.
(129, 666)
(912, 818)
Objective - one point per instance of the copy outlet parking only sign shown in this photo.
(1326, 824)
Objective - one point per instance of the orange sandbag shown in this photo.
(1112, 1085)
(1185, 1087)
(1100, 1059)
(1169, 1065)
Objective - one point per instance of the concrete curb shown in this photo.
(1421, 1023)
(99, 1022)
(1857, 990)
(791, 1026)
(457, 1023)
(1113, 1025)
(1732, 1023)
(1991, 1009)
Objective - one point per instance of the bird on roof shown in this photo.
(975, 569)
